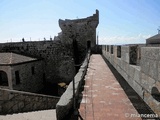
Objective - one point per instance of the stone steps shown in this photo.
(36, 115)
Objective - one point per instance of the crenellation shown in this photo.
(151, 53)
(80, 32)
(141, 71)
(125, 53)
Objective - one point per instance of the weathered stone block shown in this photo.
(145, 63)
(130, 81)
(112, 58)
(5, 95)
(122, 65)
(118, 68)
(15, 108)
(125, 53)
(131, 71)
(8, 105)
(138, 88)
(119, 61)
(126, 67)
(147, 82)
(150, 53)
(153, 69)
(137, 73)
(124, 74)
(115, 51)
(21, 105)
(28, 107)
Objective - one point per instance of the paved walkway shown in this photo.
(103, 97)
(37, 115)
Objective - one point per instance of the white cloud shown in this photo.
(140, 38)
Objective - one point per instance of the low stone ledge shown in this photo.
(65, 104)
(12, 101)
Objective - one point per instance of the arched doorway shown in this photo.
(3, 78)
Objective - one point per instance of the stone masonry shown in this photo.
(21, 72)
(80, 32)
(17, 101)
(58, 54)
(144, 77)
(57, 57)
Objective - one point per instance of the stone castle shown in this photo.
(27, 67)
(139, 66)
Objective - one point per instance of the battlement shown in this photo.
(94, 17)
(139, 66)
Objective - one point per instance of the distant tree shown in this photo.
(44, 39)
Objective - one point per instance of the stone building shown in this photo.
(154, 39)
(21, 72)
(66, 51)
(81, 33)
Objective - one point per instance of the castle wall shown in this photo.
(12, 101)
(140, 67)
(65, 52)
(58, 63)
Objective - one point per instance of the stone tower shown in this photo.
(81, 33)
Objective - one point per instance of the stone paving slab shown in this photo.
(37, 115)
(103, 97)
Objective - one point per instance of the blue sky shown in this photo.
(121, 21)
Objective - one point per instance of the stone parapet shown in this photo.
(140, 67)
(66, 102)
(12, 101)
